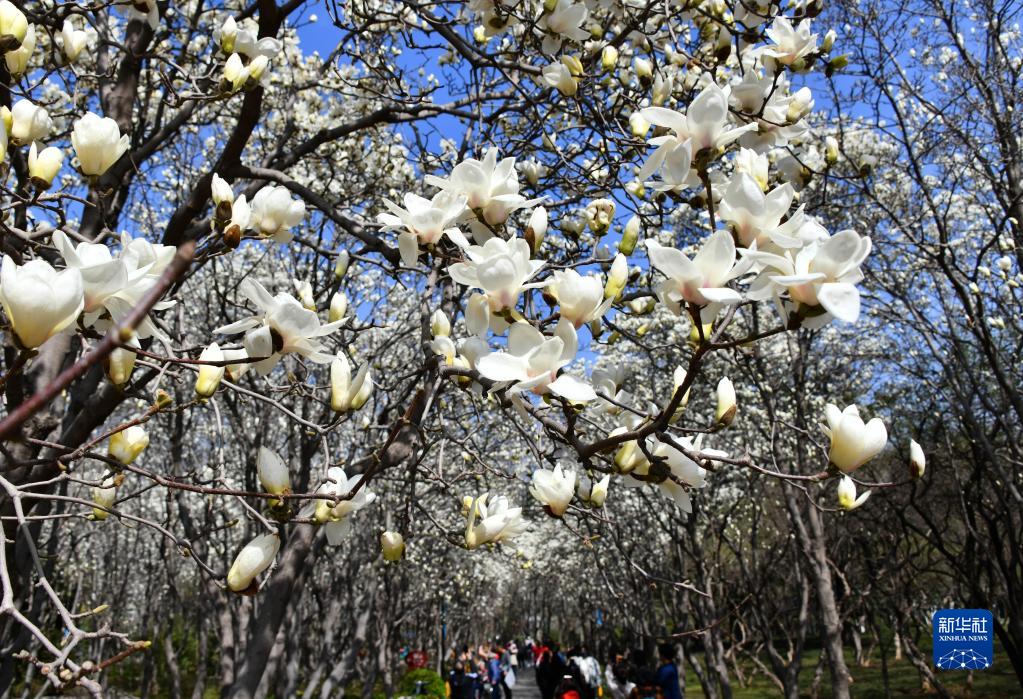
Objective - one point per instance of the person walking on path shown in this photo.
(495, 675)
(667, 672)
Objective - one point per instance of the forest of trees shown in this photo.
(335, 328)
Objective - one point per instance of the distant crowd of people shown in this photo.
(489, 672)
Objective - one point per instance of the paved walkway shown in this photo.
(525, 684)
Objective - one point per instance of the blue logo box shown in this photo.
(963, 639)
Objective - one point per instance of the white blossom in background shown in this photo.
(73, 40)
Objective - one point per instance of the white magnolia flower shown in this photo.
(847, 499)
(274, 213)
(700, 281)
(424, 221)
(221, 191)
(790, 43)
(126, 445)
(559, 76)
(852, 442)
(98, 143)
(752, 214)
(74, 40)
(704, 127)
(553, 489)
(253, 559)
(674, 474)
(13, 26)
(115, 284)
(336, 518)
(917, 460)
(282, 326)
(242, 38)
(43, 165)
(498, 521)
(489, 187)
(609, 382)
(17, 60)
(821, 274)
(533, 360)
(500, 268)
(580, 299)
(392, 544)
(29, 122)
(39, 301)
(565, 21)
(210, 375)
(273, 472)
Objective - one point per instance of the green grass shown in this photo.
(997, 682)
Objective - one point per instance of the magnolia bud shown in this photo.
(831, 150)
(341, 266)
(120, 364)
(726, 408)
(273, 472)
(598, 491)
(126, 445)
(617, 277)
(829, 40)
(643, 69)
(917, 460)
(13, 26)
(338, 307)
(228, 35)
(630, 236)
(209, 375)
(365, 389)
(440, 326)
(574, 65)
(393, 546)
(104, 496)
(599, 214)
(639, 125)
(44, 165)
(340, 384)
(609, 58)
(536, 229)
(305, 293)
(252, 560)
(847, 499)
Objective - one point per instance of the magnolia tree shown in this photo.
(258, 301)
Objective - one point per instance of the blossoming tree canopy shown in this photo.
(409, 239)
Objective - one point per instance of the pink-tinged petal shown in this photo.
(571, 388)
(840, 300)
